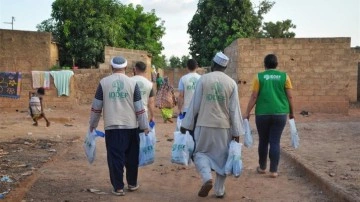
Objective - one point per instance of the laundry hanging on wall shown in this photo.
(62, 81)
(41, 79)
(10, 83)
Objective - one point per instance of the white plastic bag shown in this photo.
(295, 140)
(147, 149)
(233, 164)
(182, 148)
(90, 144)
(178, 122)
(248, 139)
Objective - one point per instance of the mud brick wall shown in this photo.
(26, 50)
(132, 56)
(175, 74)
(323, 70)
(51, 99)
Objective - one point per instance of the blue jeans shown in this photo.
(270, 128)
(122, 147)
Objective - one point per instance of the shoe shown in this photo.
(274, 175)
(133, 188)
(260, 171)
(204, 191)
(220, 196)
(119, 192)
(171, 121)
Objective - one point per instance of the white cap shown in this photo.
(221, 59)
(118, 62)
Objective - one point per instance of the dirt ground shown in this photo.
(49, 164)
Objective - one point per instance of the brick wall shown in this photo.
(26, 50)
(132, 56)
(323, 70)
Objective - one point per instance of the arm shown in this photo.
(251, 104)
(140, 113)
(96, 108)
(151, 105)
(236, 123)
(181, 95)
(291, 104)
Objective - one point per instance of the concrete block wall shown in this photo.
(132, 56)
(323, 70)
(26, 50)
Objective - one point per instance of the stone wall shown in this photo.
(25, 50)
(323, 71)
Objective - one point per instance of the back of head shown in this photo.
(118, 62)
(220, 61)
(191, 64)
(140, 66)
(270, 61)
(41, 91)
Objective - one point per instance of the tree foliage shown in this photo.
(175, 62)
(218, 23)
(280, 29)
(84, 27)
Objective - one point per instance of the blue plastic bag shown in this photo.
(90, 144)
(182, 148)
(248, 139)
(294, 136)
(233, 165)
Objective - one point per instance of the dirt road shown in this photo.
(59, 170)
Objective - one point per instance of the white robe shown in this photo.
(217, 122)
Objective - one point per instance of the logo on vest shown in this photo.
(118, 92)
(272, 77)
(218, 93)
(192, 82)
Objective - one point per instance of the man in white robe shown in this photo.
(216, 111)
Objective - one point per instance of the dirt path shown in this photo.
(67, 176)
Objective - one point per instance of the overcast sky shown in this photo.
(313, 18)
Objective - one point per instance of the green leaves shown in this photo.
(84, 27)
(216, 24)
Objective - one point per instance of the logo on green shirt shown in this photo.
(218, 93)
(118, 92)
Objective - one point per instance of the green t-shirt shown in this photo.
(272, 97)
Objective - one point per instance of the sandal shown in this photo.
(260, 171)
(274, 175)
(204, 191)
(119, 192)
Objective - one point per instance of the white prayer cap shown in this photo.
(221, 59)
(118, 62)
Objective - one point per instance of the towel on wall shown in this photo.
(41, 79)
(10, 83)
(62, 81)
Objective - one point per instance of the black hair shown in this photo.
(140, 66)
(216, 67)
(191, 64)
(270, 61)
(41, 91)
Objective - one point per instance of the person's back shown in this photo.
(36, 106)
(186, 86)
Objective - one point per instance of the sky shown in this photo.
(313, 18)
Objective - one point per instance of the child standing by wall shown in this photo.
(36, 106)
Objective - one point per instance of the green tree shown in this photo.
(84, 27)
(280, 29)
(184, 60)
(218, 23)
(175, 62)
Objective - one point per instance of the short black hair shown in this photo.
(41, 91)
(141, 66)
(270, 61)
(191, 64)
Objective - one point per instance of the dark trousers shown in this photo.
(270, 128)
(122, 146)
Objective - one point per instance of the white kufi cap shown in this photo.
(118, 62)
(221, 59)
